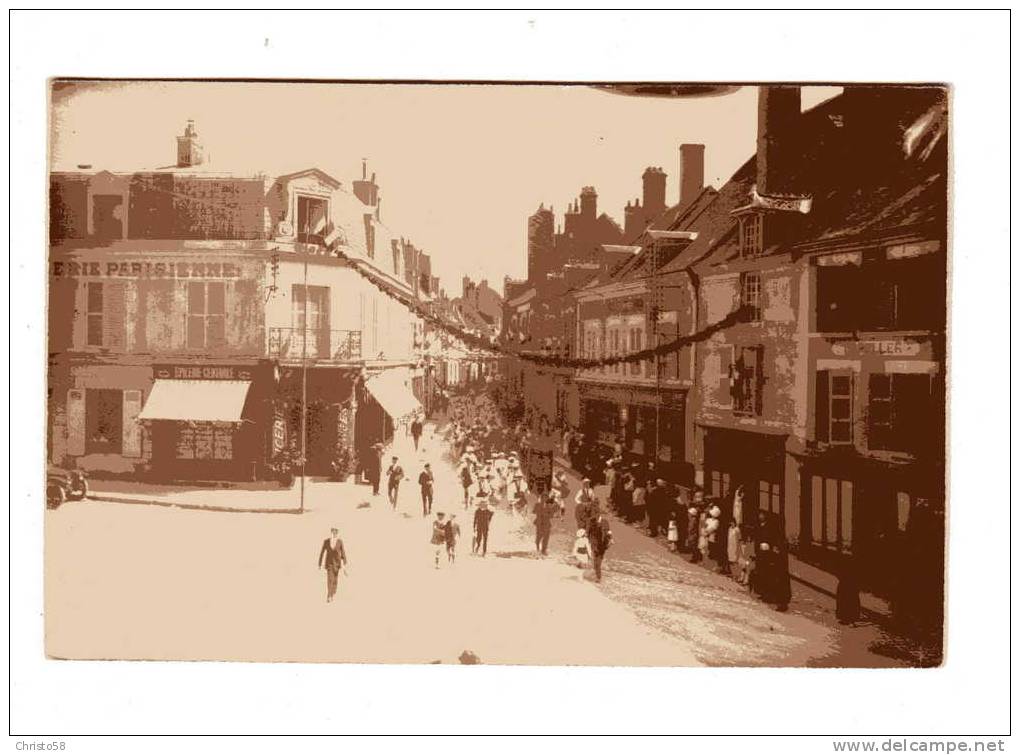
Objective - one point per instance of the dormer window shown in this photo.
(312, 215)
(751, 234)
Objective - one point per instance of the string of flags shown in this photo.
(741, 314)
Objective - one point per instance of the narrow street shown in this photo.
(244, 586)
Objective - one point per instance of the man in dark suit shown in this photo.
(332, 556)
(600, 538)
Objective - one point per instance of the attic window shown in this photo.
(751, 235)
(312, 214)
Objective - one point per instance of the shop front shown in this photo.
(755, 461)
(206, 422)
(385, 402)
(650, 424)
(327, 395)
(867, 507)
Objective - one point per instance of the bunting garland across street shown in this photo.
(477, 342)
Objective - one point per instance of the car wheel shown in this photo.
(55, 496)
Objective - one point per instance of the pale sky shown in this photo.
(460, 167)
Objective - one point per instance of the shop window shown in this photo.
(751, 235)
(94, 314)
(205, 440)
(746, 381)
(206, 315)
(635, 345)
(312, 214)
(671, 435)
(770, 497)
(104, 418)
(831, 512)
(899, 411)
(750, 294)
(719, 484)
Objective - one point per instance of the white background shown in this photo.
(968, 696)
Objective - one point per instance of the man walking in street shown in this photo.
(483, 515)
(438, 539)
(373, 467)
(452, 536)
(426, 480)
(332, 556)
(394, 474)
(416, 428)
(545, 509)
(600, 537)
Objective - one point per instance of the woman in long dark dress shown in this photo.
(771, 577)
(848, 591)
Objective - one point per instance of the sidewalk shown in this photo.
(254, 499)
(805, 574)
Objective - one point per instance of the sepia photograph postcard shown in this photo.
(545, 371)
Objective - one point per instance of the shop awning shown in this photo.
(196, 400)
(389, 390)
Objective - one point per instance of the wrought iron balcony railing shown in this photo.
(318, 344)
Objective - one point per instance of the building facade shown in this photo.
(194, 313)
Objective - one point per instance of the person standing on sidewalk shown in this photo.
(332, 556)
(586, 505)
(373, 467)
(426, 481)
(600, 537)
(416, 428)
(483, 515)
(394, 474)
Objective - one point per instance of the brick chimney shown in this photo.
(691, 178)
(366, 190)
(189, 149)
(653, 197)
(779, 143)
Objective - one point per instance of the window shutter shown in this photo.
(131, 429)
(822, 406)
(759, 379)
(76, 422)
(114, 316)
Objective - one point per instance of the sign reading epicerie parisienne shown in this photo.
(145, 269)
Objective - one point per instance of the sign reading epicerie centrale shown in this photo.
(145, 269)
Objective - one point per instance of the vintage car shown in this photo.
(64, 485)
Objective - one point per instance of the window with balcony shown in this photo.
(750, 294)
(206, 315)
(312, 220)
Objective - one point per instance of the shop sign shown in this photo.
(201, 372)
(142, 268)
(892, 348)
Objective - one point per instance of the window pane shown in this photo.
(847, 506)
(215, 331)
(196, 298)
(831, 511)
(840, 409)
(216, 301)
(196, 332)
(840, 432)
(841, 385)
(816, 508)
